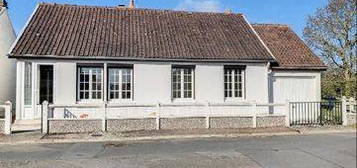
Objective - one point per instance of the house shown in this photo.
(70, 55)
(7, 66)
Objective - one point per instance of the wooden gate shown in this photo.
(315, 113)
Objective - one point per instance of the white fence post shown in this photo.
(158, 116)
(344, 111)
(287, 113)
(45, 110)
(208, 112)
(254, 110)
(351, 102)
(8, 117)
(104, 117)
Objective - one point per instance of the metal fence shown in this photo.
(315, 113)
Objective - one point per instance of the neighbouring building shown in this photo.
(70, 54)
(7, 66)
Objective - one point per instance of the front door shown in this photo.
(46, 84)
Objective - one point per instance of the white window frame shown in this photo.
(182, 84)
(90, 90)
(120, 82)
(232, 83)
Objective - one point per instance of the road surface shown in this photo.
(303, 151)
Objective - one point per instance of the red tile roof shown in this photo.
(288, 49)
(88, 32)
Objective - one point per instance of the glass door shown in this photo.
(46, 83)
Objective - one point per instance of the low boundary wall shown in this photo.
(351, 118)
(74, 125)
(183, 123)
(271, 121)
(120, 125)
(2, 126)
(231, 122)
(134, 117)
(136, 124)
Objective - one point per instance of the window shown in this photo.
(28, 83)
(120, 83)
(233, 82)
(182, 82)
(90, 83)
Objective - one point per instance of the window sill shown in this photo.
(97, 101)
(234, 100)
(121, 101)
(183, 100)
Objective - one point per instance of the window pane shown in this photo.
(177, 75)
(120, 83)
(233, 82)
(28, 84)
(90, 80)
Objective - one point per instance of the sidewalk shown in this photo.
(37, 137)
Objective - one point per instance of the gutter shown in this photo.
(316, 68)
(106, 58)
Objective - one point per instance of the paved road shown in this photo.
(315, 151)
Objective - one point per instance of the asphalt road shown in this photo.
(308, 151)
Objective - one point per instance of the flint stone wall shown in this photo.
(121, 125)
(270, 121)
(231, 122)
(74, 125)
(183, 123)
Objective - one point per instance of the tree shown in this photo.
(331, 32)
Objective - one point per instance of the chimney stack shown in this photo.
(3, 3)
(131, 4)
(228, 11)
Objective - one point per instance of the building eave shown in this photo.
(107, 58)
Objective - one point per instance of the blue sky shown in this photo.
(291, 12)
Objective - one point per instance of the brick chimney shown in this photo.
(131, 4)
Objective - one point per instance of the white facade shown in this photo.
(7, 66)
(151, 84)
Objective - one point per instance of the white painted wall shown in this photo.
(65, 83)
(152, 84)
(257, 83)
(7, 66)
(209, 83)
(296, 86)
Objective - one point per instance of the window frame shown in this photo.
(234, 82)
(120, 82)
(182, 83)
(90, 90)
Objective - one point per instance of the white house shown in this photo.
(7, 66)
(71, 55)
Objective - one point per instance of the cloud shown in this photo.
(199, 5)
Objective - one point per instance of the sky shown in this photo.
(291, 12)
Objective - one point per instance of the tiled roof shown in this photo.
(288, 49)
(69, 31)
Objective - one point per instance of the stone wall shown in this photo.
(74, 125)
(2, 126)
(351, 119)
(270, 121)
(231, 122)
(120, 125)
(183, 123)
(136, 124)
